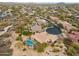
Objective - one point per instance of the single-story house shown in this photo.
(74, 36)
(44, 37)
(36, 28)
(67, 26)
(41, 21)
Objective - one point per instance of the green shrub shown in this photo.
(24, 32)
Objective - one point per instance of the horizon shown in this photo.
(41, 1)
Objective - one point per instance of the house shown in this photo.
(36, 28)
(77, 17)
(5, 13)
(44, 37)
(74, 36)
(54, 18)
(41, 21)
(67, 26)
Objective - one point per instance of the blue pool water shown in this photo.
(30, 42)
(54, 30)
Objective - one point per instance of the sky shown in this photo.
(42, 1)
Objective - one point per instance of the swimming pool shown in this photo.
(54, 30)
(30, 42)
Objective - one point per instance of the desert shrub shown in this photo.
(19, 38)
(55, 50)
(76, 46)
(72, 48)
(60, 25)
(67, 42)
(71, 51)
(41, 47)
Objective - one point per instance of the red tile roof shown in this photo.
(74, 36)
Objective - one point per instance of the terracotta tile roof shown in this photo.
(74, 36)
